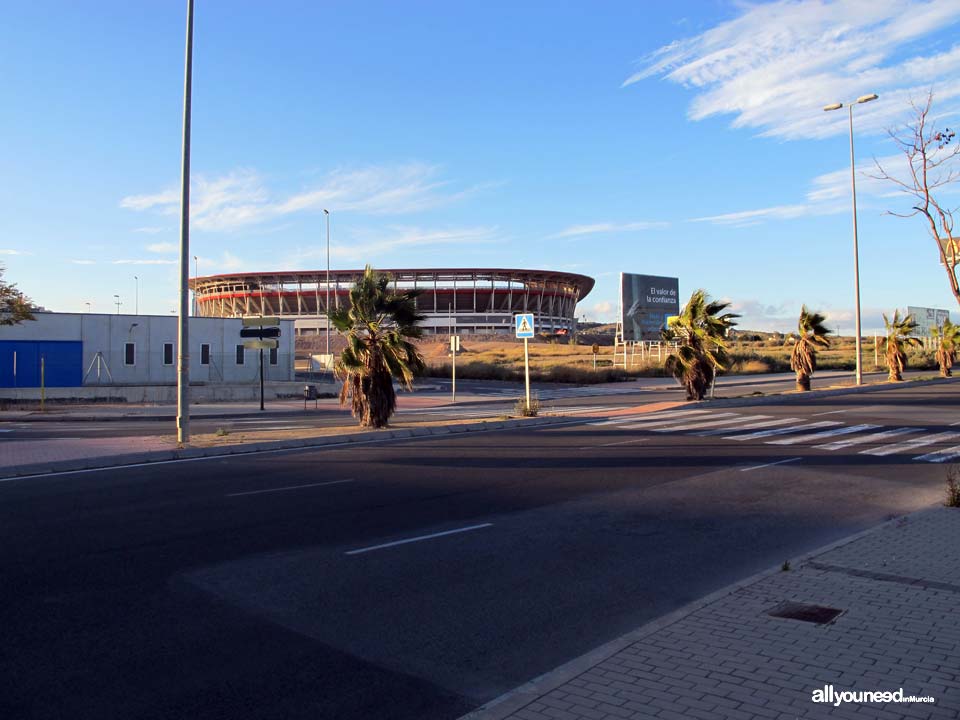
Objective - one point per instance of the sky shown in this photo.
(683, 139)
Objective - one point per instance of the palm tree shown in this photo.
(898, 336)
(701, 329)
(813, 334)
(947, 338)
(379, 326)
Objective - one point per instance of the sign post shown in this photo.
(454, 349)
(524, 329)
(596, 351)
(265, 330)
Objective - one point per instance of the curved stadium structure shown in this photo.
(454, 300)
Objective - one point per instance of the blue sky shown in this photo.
(683, 138)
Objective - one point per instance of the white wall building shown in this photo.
(86, 349)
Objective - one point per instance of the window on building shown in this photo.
(168, 353)
(274, 355)
(205, 354)
(240, 349)
(130, 354)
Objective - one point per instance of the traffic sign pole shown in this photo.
(526, 368)
(261, 379)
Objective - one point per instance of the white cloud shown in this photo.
(8, 251)
(148, 230)
(775, 65)
(752, 217)
(84, 262)
(603, 312)
(608, 227)
(163, 247)
(242, 198)
(144, 262)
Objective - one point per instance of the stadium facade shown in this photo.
(469, 301)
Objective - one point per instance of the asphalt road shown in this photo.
(421, 578)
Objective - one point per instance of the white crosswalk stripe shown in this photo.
(910, 445)
(814, 437)
(940, 456)
(792, 431)
(783, 431)
(871, 438)
(709, 423)
(751, 426)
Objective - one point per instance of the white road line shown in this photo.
(940, 455)
(778, 462)
(955, 424)
(643, 424)
(783, 431)
(710, 423)
(750, 426)
(833, 412)
(909, 445)
(611, 444)
(874, 437)
(660, 415)
(291, 487)
(813, 437)
(417, 539)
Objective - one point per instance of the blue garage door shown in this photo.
(20, 362)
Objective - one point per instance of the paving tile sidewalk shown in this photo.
(725, 657)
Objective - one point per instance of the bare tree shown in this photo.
(929, 152)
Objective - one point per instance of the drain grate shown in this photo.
(819, 614)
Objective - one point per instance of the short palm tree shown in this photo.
(379, 326)
(898, 337)
(947, 339)
(812, 335)
(701, 330)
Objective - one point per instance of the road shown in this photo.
(421, 578)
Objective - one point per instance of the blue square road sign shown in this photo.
(524, 325)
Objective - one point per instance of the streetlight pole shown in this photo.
(856, 248)
(88, 306)
(183, 319)
(327, 214)
(136, 301)
(118, 303)
(196, 274)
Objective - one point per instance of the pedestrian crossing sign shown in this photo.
(524, 325)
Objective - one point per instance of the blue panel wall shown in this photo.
(20, 363)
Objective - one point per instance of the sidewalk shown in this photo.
(897, 587)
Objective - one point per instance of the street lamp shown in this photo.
(118, 303)
(196, 274)
(136, 302)
(88, 306)
(327, 214)
(856, 251)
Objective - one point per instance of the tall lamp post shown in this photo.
(183, 319)
(196, 274)
(856, 250)
(327, 214)
(136, 296)
(117, 301)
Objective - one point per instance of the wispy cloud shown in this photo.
(144, 262)
(162, 248)
(148, 230)
(9, 251)
(370, 244)
(83, 262)
(610, 227)
(242, 197)
(751, 217)
(775, 65)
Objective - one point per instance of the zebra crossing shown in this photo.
(828, 435)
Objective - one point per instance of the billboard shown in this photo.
(646, 301)
(927, 319)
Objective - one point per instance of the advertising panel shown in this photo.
(646, 301)
(927, 319)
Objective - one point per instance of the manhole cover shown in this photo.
(818, 614)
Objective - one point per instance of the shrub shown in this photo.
(953, 487)
(520, 407)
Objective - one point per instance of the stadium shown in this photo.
(468, 301)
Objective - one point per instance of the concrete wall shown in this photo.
(104, 337)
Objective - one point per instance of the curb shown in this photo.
(185, 454)
(515, 700)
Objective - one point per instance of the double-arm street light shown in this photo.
(856, 251)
